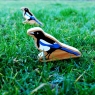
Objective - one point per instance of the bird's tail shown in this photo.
(34, 18)
(38, 22)
(71, 51)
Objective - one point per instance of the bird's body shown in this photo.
(43, 47)
(30, 18)
(49, 44)
(26, 15)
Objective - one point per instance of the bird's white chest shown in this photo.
(26, 15)
(42, 47)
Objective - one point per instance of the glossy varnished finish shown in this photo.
(57, 55)
(29, 17)
(51, 49)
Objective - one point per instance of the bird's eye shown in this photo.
(37, 33)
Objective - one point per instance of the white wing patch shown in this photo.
(45, 48)
(43, 41)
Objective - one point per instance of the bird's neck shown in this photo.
(29, 13)
(37, 42)
(49, 40)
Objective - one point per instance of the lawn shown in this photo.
(71, 22)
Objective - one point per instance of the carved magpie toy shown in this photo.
(51, 49)
(30, 18)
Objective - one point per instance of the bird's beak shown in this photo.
(30, 33)
(22, 8)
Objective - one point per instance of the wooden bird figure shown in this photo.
(51, 49)
(30, 18)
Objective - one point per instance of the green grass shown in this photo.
(72, 23)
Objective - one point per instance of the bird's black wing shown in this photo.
(49, 40)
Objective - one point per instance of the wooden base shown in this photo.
(30, 22)
(56, 55)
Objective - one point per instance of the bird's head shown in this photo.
(36, 32)
(25, 9)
